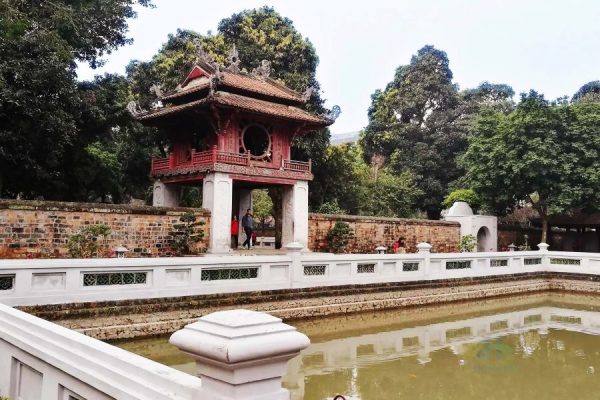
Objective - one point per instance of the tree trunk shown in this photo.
(544, 227)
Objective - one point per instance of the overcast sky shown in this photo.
(552, 46)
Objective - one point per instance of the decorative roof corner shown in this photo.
(157, 90)
(308, 94)
(332, 115)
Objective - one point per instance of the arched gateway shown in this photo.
(232, 132)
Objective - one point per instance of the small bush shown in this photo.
(339, 236)
(331, 207)
(86, 243)
(467, 244)
(187, 233)
(467, 195)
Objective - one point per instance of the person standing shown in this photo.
(248, 226)
(235, 230)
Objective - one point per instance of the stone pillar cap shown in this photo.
(424, 246)
(543, 246)
(294, 246)
(238, 336)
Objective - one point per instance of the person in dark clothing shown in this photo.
(248, 226)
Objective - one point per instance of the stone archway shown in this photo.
(484, 239)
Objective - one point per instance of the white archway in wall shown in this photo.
(483, 227)
(484, 239)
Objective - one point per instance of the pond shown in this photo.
(542, 346)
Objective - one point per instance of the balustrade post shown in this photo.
(240, 354)
(294, 250)
(424, 249)
(543, 248)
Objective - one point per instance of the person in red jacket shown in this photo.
(235, 230)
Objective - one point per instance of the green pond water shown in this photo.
(542, 346)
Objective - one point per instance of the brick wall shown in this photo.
(41, 229)
(371, 232)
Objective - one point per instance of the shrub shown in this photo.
(339, 236)
(86, 243)
(187, 233)
(466, 195)
(467, 243)
(331, 207)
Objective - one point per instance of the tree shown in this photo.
(588, 92)
(39, 104)
(87, 242)
(262, 206)
(420, 123)
(339, 236)
(544, 154)
(467, 195)
(186, 233)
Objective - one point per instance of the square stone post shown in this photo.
(240, 354)
(164, 195)
(245, 203)
(295, 214)
(217, 196)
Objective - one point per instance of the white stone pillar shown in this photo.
(424, 249)
(165, 195)
(217, 193)
(295, 214)
(245, 203)
(241, 354)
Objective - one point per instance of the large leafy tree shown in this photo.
(420, 123)
(544, 154)
(40, 43)
(588, 92)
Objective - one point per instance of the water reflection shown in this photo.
(534, 346)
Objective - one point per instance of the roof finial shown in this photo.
(134, 108)
(234, 60)
(201, 55)
(308, 93)
(263, 70)
(156, 89)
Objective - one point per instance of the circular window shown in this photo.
(257, 141)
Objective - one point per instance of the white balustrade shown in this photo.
(31, 282)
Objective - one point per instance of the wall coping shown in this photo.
(364, 218)
(101, 208)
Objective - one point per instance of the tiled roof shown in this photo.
(267, 87)
(241, 81)
(244, 103)
(268, 108)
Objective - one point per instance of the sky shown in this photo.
(552, 46)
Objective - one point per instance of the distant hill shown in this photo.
(343, 138)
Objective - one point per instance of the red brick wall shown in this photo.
(42, 229)
(371, 232)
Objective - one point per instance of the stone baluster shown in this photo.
(240, 354)
(294, 251)
(424, 249)
(543, 249)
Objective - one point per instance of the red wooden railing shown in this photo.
(297, 166)
(211, 157)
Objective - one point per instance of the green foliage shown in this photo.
(420, 123)
(467, 244)
(262, 206)
(40, 106)
(339, 236)
(331, 207)
(360, 189)
(186, 233)
(545, 154)
(588, 92)
(467, 195)
(191, 197)
(87, 243)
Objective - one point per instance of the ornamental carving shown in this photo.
(234, 60)
(263, 70)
